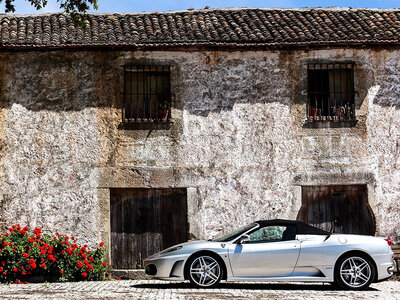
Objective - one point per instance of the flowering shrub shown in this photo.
(26, 256)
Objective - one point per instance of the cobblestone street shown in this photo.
(144, 289)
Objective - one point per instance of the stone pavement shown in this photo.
(152, 289)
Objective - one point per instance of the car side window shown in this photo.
(273, 234)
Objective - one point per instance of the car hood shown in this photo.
(190, 247)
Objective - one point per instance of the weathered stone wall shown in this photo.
(238, 141)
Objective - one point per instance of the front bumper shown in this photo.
(171, 267)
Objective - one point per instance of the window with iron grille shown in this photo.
(147, 93)
(330, 92)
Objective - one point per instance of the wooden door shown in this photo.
(145, 221)
(337, 208)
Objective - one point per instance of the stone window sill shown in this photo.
(146, 124)
(329, 122)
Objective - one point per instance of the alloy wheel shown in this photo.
(205, 271)
(355, 272)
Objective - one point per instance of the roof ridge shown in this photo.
(319, 8)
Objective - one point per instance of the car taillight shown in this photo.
(389, 241)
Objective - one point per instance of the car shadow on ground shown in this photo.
(246, 286)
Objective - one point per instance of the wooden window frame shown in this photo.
(147, 94)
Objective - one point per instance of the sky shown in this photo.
(23, 6)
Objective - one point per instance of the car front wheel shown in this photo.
(204, 271)
(354, 272)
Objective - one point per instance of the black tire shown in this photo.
(354, 272)
(204, 270)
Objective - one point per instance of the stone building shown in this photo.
(146, 129)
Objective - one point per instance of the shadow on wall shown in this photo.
(60, 80)
(74, 80)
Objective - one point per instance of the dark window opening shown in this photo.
(147, 94)
(330, 92)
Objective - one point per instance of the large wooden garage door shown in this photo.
(340, 208)
(145, 221)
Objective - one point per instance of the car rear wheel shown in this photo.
(204, 271)
(354, 272)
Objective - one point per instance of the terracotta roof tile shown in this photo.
(224, 27)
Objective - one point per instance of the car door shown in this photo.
(271, 251)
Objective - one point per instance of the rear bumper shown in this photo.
(384, 265)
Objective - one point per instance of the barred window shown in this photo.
(330, 92)
(147, 94)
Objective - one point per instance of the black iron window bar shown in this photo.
(147, 94)
(330, 92)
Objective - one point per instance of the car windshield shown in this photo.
(233, 234)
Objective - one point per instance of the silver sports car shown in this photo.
(277, 250)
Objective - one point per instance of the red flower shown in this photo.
(119, 278)
(37, 231)
(86, 261)
(33, 266)
(1, 269)
(23, 273)
(51, 257)
(101, 244)
(69, 251)
(31, 261)
(80, 264)
(3, 262)
(84, 274)
(15, 269)
(104, 264)
(91, 258)
(26, 255)
(61, 272)
(43, 265)
(22, 232)
(4, 273)
(31, 240)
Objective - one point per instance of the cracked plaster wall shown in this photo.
(238, 141)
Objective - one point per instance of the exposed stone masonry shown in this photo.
(238, 140)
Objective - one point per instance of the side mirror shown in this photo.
(244, 238)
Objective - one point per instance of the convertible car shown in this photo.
(277, 250)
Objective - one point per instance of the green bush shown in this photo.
(27, 257)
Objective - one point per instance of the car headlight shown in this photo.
(171, 249)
